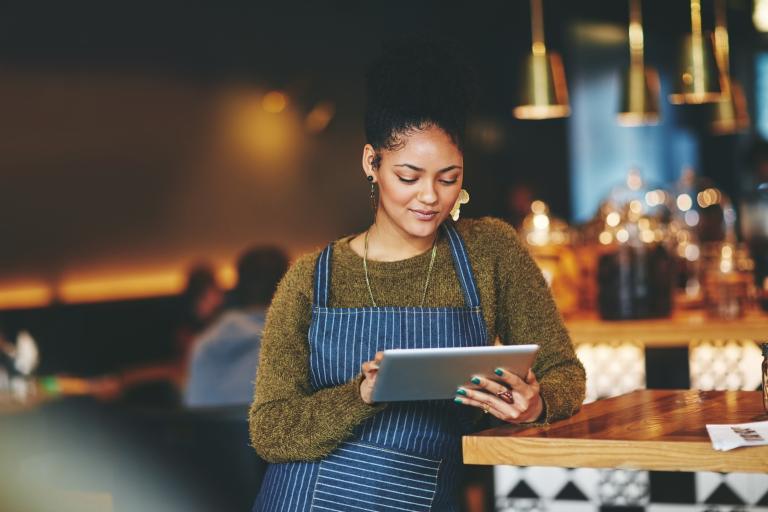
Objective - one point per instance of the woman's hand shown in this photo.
(506, 396)
(370, 370)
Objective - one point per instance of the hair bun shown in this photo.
(415, 83)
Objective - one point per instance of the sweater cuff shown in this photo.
(549, 400)
(353, 402)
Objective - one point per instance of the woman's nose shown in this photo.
(427, 193)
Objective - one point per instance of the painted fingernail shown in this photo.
(498, 371)
(458, 400)
(461, 391)
(475, 380)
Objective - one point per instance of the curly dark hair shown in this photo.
(416, 84)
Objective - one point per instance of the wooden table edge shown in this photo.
(621, 454)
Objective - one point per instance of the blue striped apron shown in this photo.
(407, 457)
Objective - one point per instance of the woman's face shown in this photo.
(418, 183)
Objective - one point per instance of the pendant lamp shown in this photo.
(640, 85)
(697, 79)
(543, 90)
(730, 114)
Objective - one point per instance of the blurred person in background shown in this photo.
(202, 300)
(224, 359)
(162, 382)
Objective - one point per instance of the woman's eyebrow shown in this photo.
(417, 168)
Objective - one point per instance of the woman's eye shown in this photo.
(406, 180)
(448, 182)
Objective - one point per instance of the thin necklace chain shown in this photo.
(426, 283)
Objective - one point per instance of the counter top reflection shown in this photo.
(660, 430)
(677, 331)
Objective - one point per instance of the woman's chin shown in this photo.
(422, 229)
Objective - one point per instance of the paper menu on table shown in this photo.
(728, 437)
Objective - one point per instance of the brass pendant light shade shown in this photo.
(698, 80)
(543, 91)
(640, 84)
(639, 97)
(729, 115)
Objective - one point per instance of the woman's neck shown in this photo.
(388, 243)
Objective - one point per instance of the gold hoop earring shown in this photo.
(462, 199)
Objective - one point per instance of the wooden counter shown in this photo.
(677, 331)
(660, 430)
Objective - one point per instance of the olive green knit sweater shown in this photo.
(290, 422)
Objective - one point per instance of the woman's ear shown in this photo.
(369, 161)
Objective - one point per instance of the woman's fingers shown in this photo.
(531, 380)
(526, 388)
(520, 403)
(370, 367)
(373, 365)
(509, 378)
(502, 381)
(489, 403)
(479, 382)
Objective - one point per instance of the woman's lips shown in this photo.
(424, 214)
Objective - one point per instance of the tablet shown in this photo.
(435, 373)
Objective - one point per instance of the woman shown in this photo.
(414, 279)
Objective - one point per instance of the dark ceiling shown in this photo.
(238, 39)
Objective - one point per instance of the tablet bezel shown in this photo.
(434, 373)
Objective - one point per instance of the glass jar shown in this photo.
(549, 240)
(727, 275)
(635, 281)
(635, 267)
(754, 225)
(702, 215)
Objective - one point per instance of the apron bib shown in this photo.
(408, 456)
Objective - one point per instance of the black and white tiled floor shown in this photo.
(617, 368)
(587, 490)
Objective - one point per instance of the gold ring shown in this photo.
(485, 408)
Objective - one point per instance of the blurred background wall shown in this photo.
(140, 138)
(135, 140)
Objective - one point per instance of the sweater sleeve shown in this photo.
(288, 420)
(528, 314)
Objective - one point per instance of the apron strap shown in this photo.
(462, 265)
(460, 261)
(323, 278)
